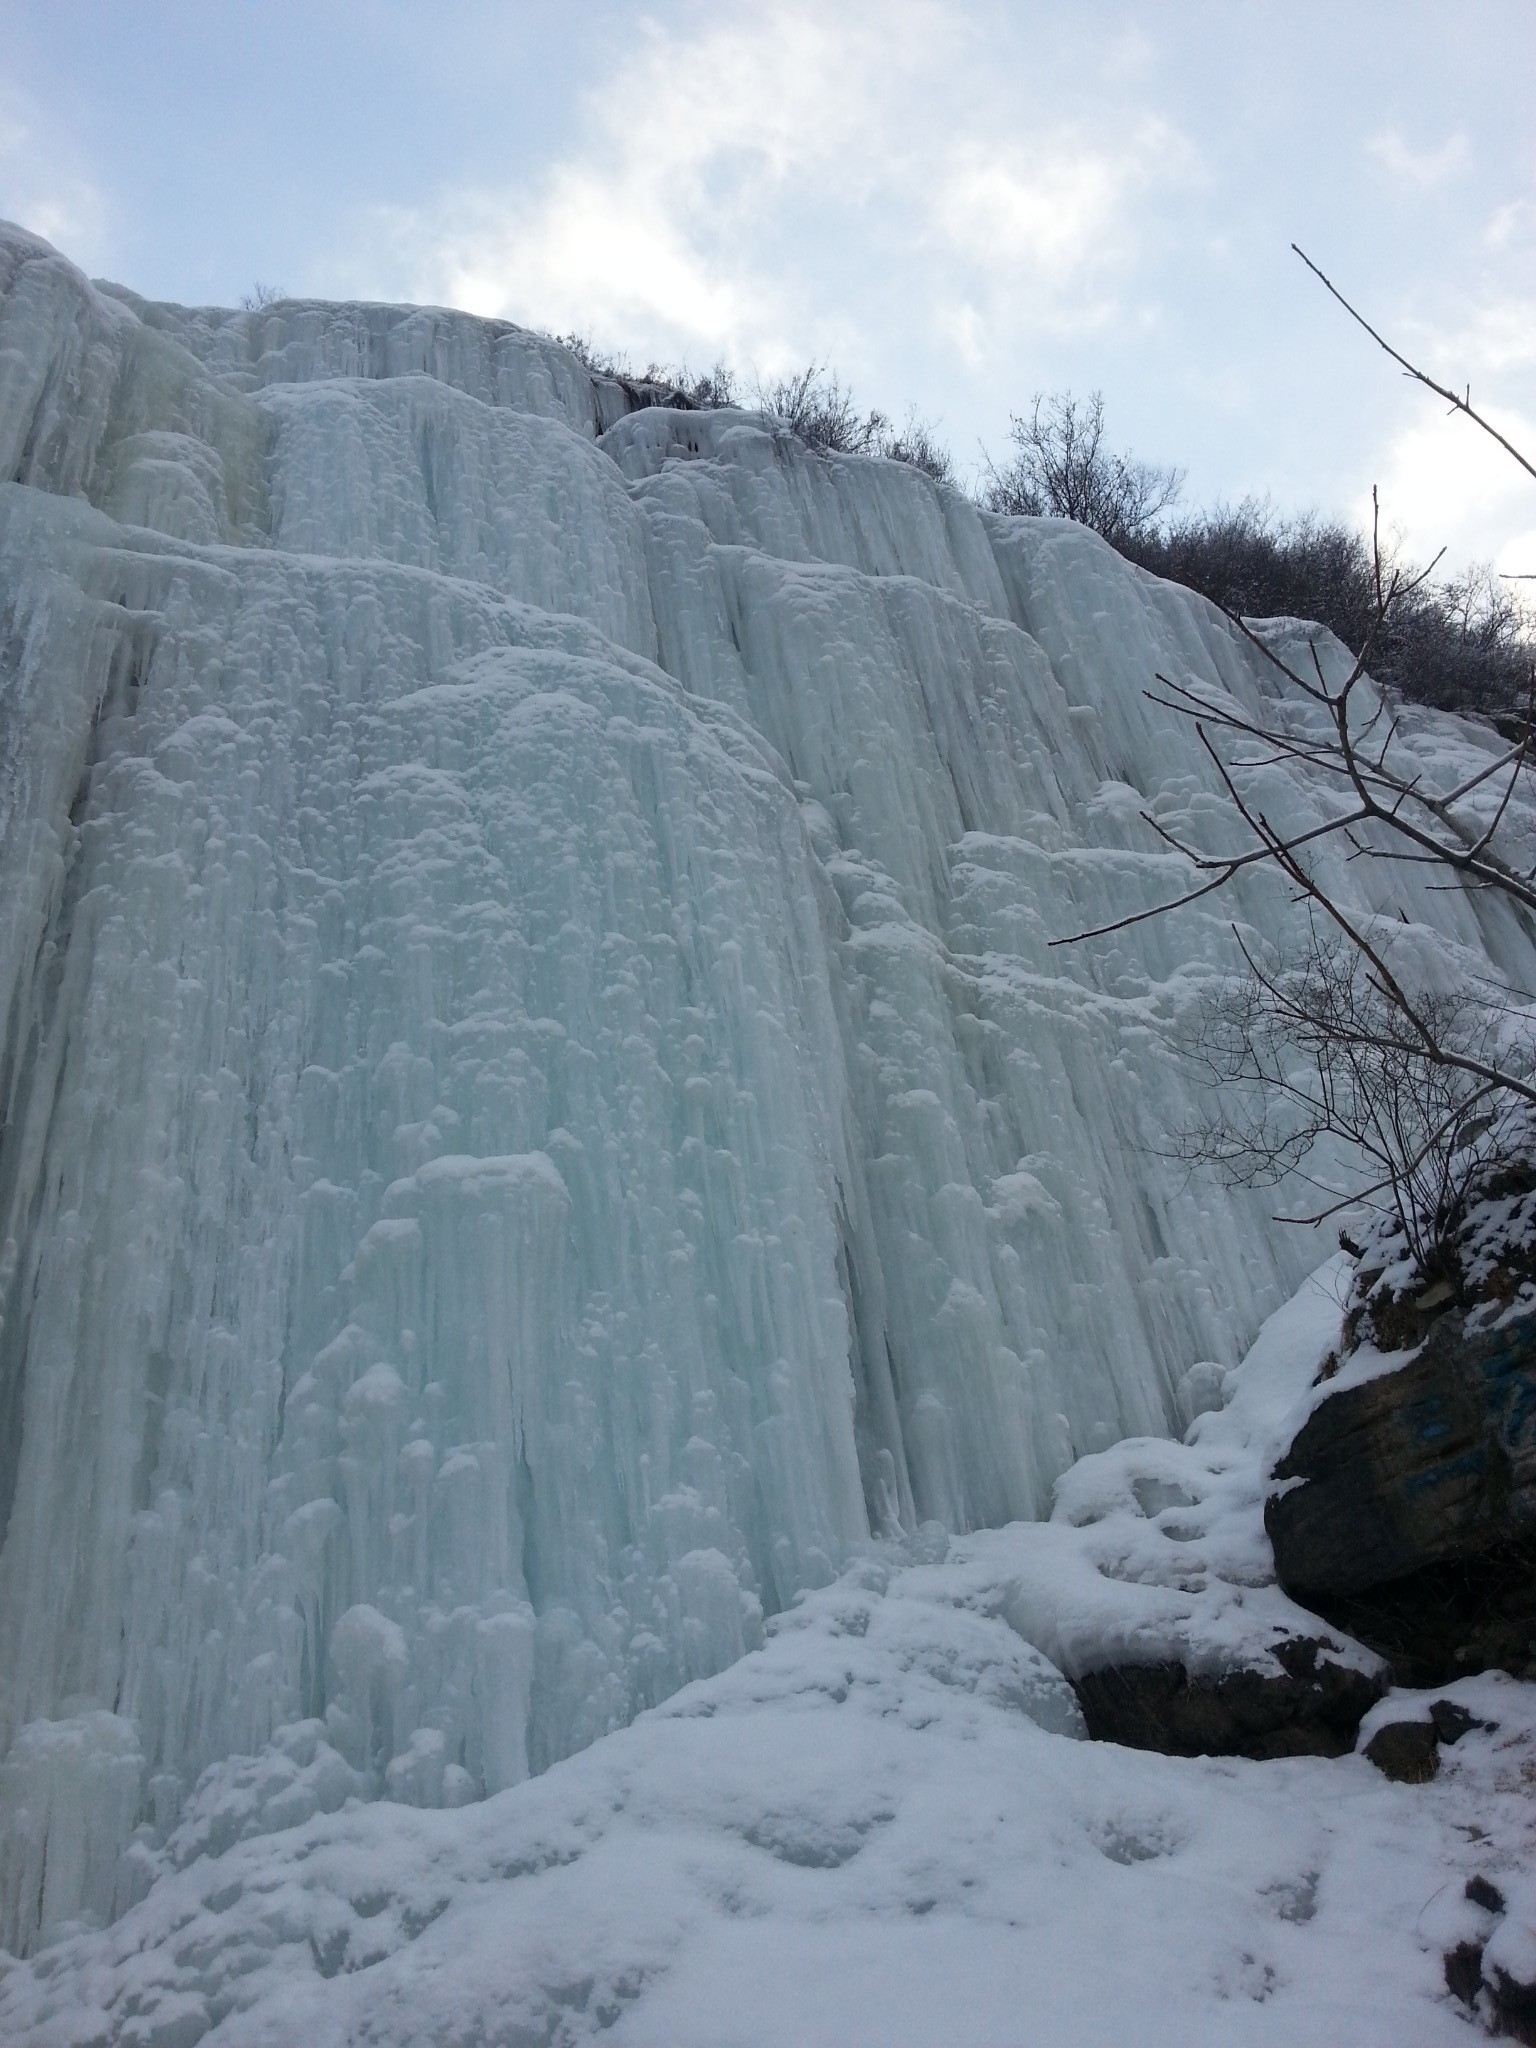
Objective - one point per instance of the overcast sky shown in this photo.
(955, 204)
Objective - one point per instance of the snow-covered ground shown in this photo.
(884, 1827)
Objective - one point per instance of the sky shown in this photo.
(955, 205)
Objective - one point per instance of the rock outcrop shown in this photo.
(1312, 1705)
(1492, 1968)
(1409, 1518)
(1408, 1750)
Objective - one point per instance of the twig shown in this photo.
(1455, 399)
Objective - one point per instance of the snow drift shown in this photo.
(540, 1113)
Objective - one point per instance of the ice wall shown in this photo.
(539, 1111)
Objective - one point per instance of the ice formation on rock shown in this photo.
(883, 1826)
(539, 1111)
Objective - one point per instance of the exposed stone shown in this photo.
(1408, 1752)
(1505, 2001)
(1414, 1527)
(1464, 1971)
(1451, 1722)
(1514, 2007)
(1312, 1706)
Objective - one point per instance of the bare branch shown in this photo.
(1455, 399)
(1420, 1086)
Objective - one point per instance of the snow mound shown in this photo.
(1156, 1550)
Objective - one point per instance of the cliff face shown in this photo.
(539, 1109)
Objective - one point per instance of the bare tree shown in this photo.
(705, 390)
(1330, 1056)
(815, 407)
(1063, 468)
(1427, 1089)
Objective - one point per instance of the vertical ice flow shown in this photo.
(538, 1107)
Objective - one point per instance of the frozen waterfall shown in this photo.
(539, 1112)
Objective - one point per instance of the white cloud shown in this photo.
(1445, 480)
(1061, 208)
(1013, 209)
(1517, 558)
(1510, 225)
(45, 184)
(690, 148)
(1500, 337)
(781, 179)
(1446, 483)
(1422, 170)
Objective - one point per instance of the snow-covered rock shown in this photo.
(540, 1112)
(1159, 1595)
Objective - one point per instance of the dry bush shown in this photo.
(1062, 468)
(1317, 1050)
(918, 445)
(814, 406)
